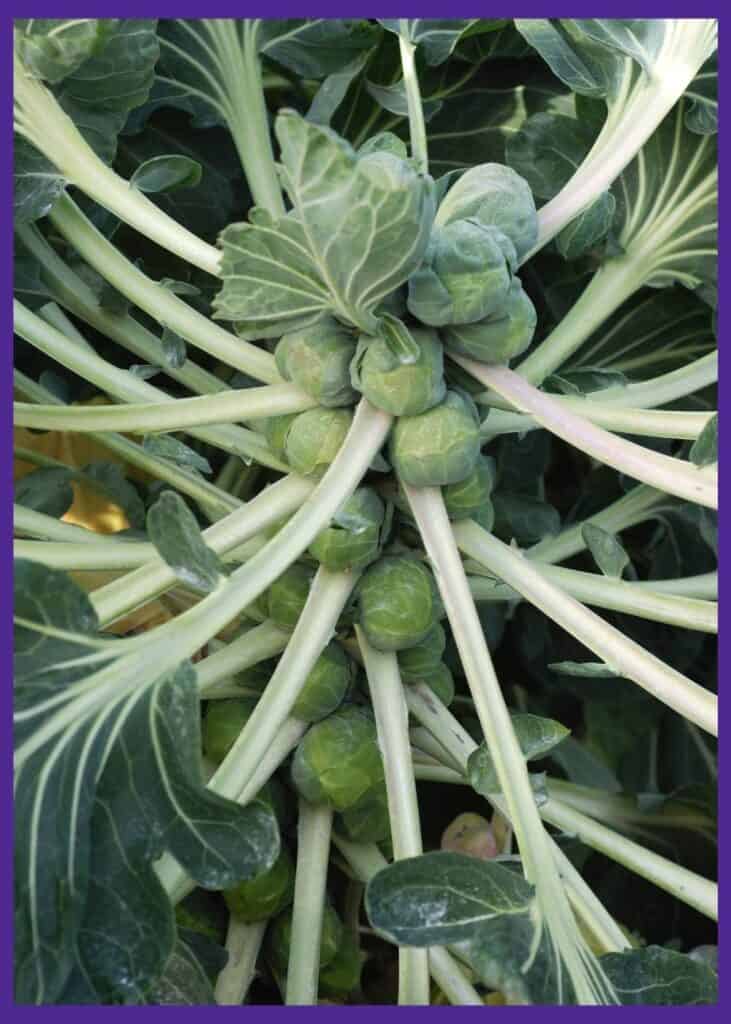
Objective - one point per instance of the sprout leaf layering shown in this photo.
(365, 511)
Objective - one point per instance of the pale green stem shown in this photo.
(641, 394)
(213, 501)
(123, 595)
(182, 414)
(702, 587)
(417, 128)
(40, 118)
(243, 942)
(438, 773)
(392, 724)
(366, 860)
(615, 595)
(55, 316)
(539, 865)
(684, 885)
(610, 286)
(314, 828)
(159, 302)
(638, 422)
(128, 388)
(423, 740)
(628, 658)
(104, 556)
(262, 642)
(77, 297)
(674, 476)
(624, 812)
(632, 508)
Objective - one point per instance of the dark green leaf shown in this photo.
(46, 490)
(703, 94)
(607, 550)
(584, 669)
(332, 92)
(435, 38)
(52, 48)
(166, 173)
(36, 183)
(704, 449)
(655, 976)
(523, 518)
(167, 447)
(536, 737)
(174, 349)
(173, 530)
(316, 47)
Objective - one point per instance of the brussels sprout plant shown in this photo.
(365, 464)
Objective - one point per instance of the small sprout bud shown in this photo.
(223, 723)
(500, 337)
(415, 663)
(314, 439)
(465, 275)
(468, 497)
(338, 759)
(317, 359)
(367, 821)
(325, 686)
(439, 447)
(399, 603)
(280, 935)
(276, 429)
(288, 594)
(472, 835)
(353, 539)
(265, 895)
(403, 380)
(496, 196)
(441, 683)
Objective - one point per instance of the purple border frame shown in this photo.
(272, 8)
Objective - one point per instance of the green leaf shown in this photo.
(166, 173)
(184, 982)
(36, 183)
(704, 449)
(606, 549)
(109, 478)
(536, 737)
(436, 38)
(586, 230)
(582, 766)
(290, 272)
(524, 518)
(316, 47)
(52, 48)
(584, 669)
(100, 93)
(655, 976)
(393, 98)
(332, 92)
(46, 490)
(167, 447)
(702, 117)
(173, 348)
(442, 898)
(173, 530)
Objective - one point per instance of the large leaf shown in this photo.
(107, 777)
(315, 47)
(702, 117)
(294, 270)
(656, 976)
(174, 531)
(436, 38)
(52, 48)
(442, 898)
(36, 183)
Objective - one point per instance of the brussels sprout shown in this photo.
(223, 723)
(354, 537)
(465, 275)
(314, 439)
(367, 821)
(499, 338)
(496, 196)
(280, 934)
(288, 594)
(439, 447)
(403, 381)
(204, 913)
(338, 759)
(472, 835)
(266, 894)
(441, 683)
(325, 686)
(342, 974)
(399, 603)
(416, 663)
(276, 429)
(317, 359)
(467, 498)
